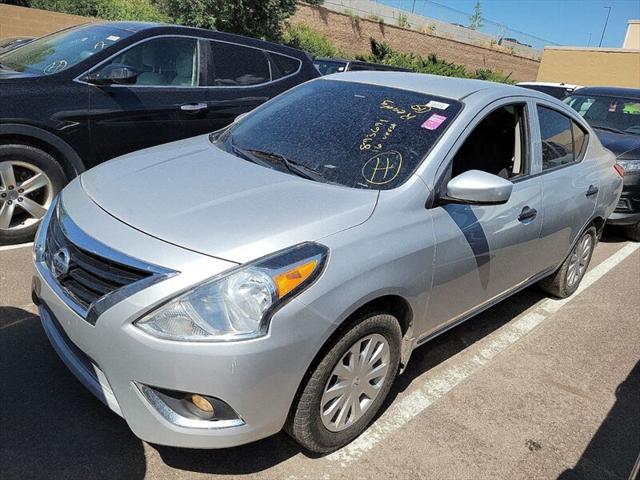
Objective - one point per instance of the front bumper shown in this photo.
(627, 211)
(257, 378)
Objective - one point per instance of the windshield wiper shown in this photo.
(291, 165)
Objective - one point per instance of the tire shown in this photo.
(18, 164)
(306, 424)
(566, 280)
(633, 232)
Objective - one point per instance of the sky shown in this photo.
(566, 22)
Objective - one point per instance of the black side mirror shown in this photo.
(113, 74)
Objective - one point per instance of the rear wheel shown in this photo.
(567, 278)
(29, 180)
(348, 386)
(633, 232)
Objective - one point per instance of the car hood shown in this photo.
(194, 195)
(623, 145)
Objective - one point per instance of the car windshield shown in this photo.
(353, 134)
(612, 113)
(59, 51)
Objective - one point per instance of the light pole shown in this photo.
(605, 25)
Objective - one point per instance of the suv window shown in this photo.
(59, 51)
(562, 139)
(497, 145)
(163, 61)
(281, 66)
(237, 65)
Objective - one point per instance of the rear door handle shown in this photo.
(593, 190)
(193, 107)
(527, 213)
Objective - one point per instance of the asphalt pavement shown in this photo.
(533, 388)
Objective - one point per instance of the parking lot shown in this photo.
(532, 388)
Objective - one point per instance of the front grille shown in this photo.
(87, 277)
(623, 205)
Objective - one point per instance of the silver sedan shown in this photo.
(277, 274)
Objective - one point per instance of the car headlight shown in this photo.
(237, 304)
(630, 166)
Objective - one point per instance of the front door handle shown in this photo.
(593, 190)
(527, 213)
(193, 107)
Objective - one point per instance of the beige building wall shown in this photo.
(591, 66)
(632, 38)
(31, 22)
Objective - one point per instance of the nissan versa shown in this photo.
(279, 272)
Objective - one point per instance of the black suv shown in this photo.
(78, 97)
(614, 113)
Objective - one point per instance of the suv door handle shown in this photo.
(527, 213)
(592, 191)
(193, 107)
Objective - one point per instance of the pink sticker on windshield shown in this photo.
(433, 122)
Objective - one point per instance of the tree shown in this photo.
(475, 20)
(254, 18)
(104, 9)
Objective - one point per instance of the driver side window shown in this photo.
(497, 145)
(166, 61)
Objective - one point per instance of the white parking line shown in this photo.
(13, 247)
(487, 349)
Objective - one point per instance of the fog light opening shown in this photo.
(201, 403)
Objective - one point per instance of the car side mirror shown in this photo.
(476, 187)
(114, 73)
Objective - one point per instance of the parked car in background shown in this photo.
(556, 90)
(315, 243)
(614, 114)
(327, 66)
(10, 43)
(84, 95)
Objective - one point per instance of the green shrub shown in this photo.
(305, 38)
(403, 21)
(141, 10)
(381, 52)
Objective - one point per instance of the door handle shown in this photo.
(527, 213)
(592, 191)
(193, 107)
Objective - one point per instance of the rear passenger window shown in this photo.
(235, 65)
(562, 139)
(283, 66)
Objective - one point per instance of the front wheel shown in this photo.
(346, 389)
(29, 179)
(567, 278)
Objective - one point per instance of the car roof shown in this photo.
(610, 91)
(550, 84)
(449, 87)
(129, 26)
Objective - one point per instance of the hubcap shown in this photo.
(25, 195)
(579, 260)
(355, 382)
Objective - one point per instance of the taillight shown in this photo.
(618, 168)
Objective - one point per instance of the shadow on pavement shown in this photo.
(613, 450)
(50, 426)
